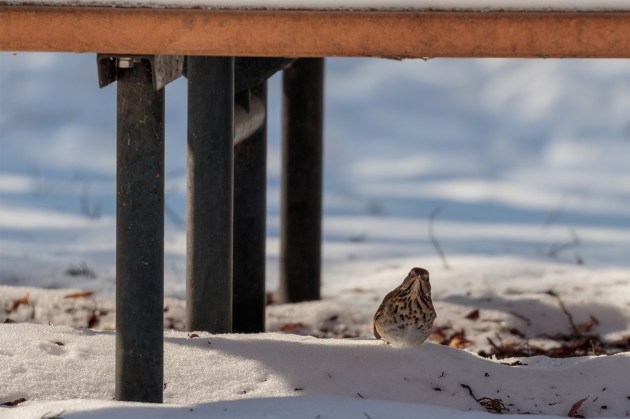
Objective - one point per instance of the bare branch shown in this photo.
(434, 240)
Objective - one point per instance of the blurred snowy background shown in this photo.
(524, 157)
(527, 161)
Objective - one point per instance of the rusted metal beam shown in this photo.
(287, 33)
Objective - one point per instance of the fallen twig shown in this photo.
(50, 415)
(556, 212)
(564, 309)
(79, 294)
(434, 240)
(555, 249)
(90, 212)
(491, 405)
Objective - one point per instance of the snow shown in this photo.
(203, 372)
(485, 5)
(79, 364)
(527, 160)
(293, 407)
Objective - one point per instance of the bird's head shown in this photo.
(421, 276)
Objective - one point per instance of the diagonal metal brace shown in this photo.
(164, 68)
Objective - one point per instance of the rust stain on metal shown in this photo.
(315, 33)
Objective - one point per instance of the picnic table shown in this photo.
(307, 28)
(227, 49)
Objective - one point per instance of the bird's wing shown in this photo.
(380, 310)
(374, 331)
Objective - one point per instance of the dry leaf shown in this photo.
(576, 406)
(458, 340)
(291, 327)
(79, 294)
(192, 335)
(270, 298)
(26, 300)
(94, 318)
(14, 402)
(438, 336)
(587, 326)
(473, 315)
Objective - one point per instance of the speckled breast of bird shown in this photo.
(406, 315)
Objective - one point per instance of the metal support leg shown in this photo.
(301, 208)
(139, 236)
(250, 175)
(210, 194)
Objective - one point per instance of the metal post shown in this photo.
(301, 207)
(139, 235)
(250, 178)
(210, 194)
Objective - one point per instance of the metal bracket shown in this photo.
(248, 118)
(164, 68)
(252, 71)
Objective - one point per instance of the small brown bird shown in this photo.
(406, 315)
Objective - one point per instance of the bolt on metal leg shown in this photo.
(124, 62)
(139, 236)
(302, 156)
(210, 194)
(250, 180)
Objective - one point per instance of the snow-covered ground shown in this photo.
(527, 161)
(78, 364)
